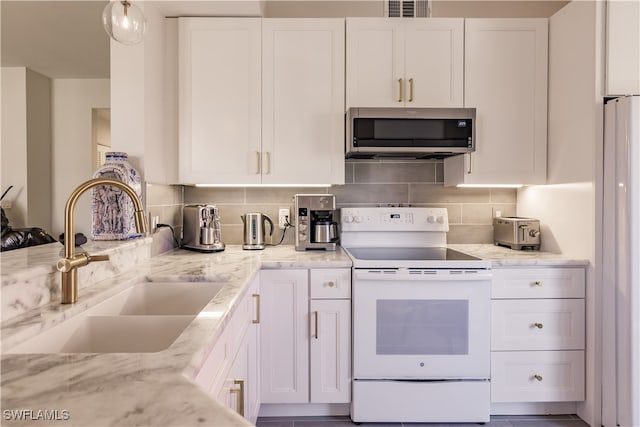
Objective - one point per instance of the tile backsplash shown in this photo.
(367, 183)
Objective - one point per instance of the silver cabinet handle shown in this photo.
(401, 90)
(538, 325)
(538, 377)
(257, 319)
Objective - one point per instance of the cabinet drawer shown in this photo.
(330, 283)
(552, 324)
(537, 376)
(538, 283)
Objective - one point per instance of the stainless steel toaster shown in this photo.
(516, 232)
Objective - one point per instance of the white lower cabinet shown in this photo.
(305, 352)
(231, 371)
(537, 335)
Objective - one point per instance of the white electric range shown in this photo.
(421, 319)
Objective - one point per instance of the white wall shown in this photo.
(144, 101)
(14, 143)
(39, 140)
(566, 207)
(26, 147)
(73, 101)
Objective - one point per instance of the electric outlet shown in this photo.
(498, 213)
(283, 218)
(153, 222)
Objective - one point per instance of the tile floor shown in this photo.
(496, 421)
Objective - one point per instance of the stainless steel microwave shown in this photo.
(417, 133)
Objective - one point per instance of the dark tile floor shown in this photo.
(496, 421)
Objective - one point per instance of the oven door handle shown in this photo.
(422, 275)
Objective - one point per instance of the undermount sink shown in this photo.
(156, 298)
(145, 318)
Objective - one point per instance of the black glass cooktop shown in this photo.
(410, 254)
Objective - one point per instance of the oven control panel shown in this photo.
(394, 219)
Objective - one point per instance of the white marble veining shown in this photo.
(30, 279)
(157, 389)
(504, 257)
(154, 389)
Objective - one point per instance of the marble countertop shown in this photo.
(158, 388)
(505, 257)
(139, 389)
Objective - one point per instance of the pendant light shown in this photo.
(124, 22)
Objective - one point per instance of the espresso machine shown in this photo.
(314, 219)
(201, 228)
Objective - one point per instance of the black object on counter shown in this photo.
(80, 239)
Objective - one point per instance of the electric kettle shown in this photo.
(254, 230)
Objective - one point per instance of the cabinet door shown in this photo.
(330, 351)
(252, 386)
(375, 56)
(433, 62)
(303, 101)
(506, 81)
(234, 390)
(284, 336)
(219, 99)
(623, 48)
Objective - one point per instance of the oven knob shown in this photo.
(431, 219)
(347, 218)
(357, 218)
(440, 220)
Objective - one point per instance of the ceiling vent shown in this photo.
(407, 8)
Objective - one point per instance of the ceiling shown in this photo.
(60, 39)
(65, 39)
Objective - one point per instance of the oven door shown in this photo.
(421, 324)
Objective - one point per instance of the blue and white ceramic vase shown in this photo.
(112, 211)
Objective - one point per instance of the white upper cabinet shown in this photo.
(506, 81)
(405, 63)
(219, 100)
(303, 101)
(623, 47)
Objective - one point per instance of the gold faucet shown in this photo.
(70, 263)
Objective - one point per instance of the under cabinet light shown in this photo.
(264, 185)
(489, 185)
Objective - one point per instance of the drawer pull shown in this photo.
(331, 284)
(239, 392)
(538, 325)
(537, 377)
(538, 283)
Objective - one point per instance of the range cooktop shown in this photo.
(410, 254)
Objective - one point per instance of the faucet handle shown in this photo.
(92, 258)
(67, 264)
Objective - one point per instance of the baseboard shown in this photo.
(303, 409)
(534, 408)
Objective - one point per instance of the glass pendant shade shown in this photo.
(124, 22)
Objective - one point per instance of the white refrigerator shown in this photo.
(620, 273)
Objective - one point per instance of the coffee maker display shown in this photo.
(315, 221)
(201, 228)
